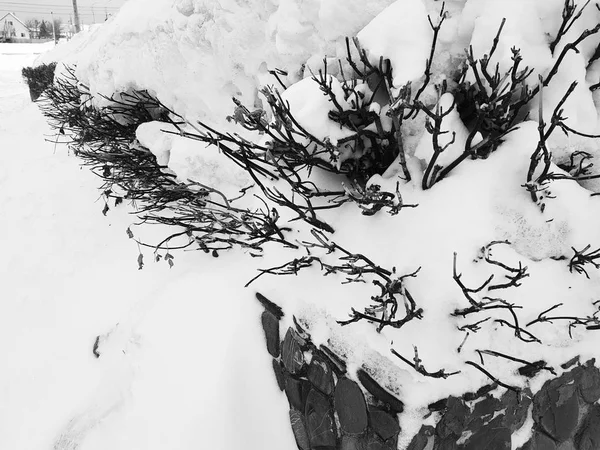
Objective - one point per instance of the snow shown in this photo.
(169, 376)
(453, 138)
(196, 54)
(182, 348)
(401, 33)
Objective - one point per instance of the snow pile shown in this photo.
(401, 33)
(196, 54)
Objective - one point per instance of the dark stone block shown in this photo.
(320, 421)
(338, 364)
(350, 406)
(556, 408)
(570, 362)
(487, 407)
(447, 443)
(493, 436)
(320, 374)
(291, 352)
(383, 424)
(299, 429)
(392, 443)
(454, 420)
(588, 437)
(422, 438)
(516, 406)
(379, 392)
(589, 383)
(375, 445)
(440, 405)
(470, 396)
(296, 391)
(539, 441)
(270, 306)
(374, 442)
(279, 374)
(352, 443)
(532, 369)
(270, 325)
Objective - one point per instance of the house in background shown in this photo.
(13, 30)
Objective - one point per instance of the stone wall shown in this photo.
(331, 409)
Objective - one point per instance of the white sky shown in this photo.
(40, 9)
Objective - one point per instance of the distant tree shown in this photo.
(45, 30)
(34, 27)
(57, 27)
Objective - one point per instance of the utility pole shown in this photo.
(53, 30)
(76, 15)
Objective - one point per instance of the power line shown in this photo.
(54, 8)
(45, 12)
(20, 4)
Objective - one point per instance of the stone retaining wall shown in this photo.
(333, 410)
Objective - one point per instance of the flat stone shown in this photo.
(320, 374)
(516, 406)
(319, 420)
(270, 325)
(588, 437)
(556, 408)
(374, 442)
(270, 306)
(532, 369)
(352, 443)
(375, 445)
(383, 424)
(487, 407)
(589, 383)
(483, 411)
(490, 437)
(539, 441)
(440, 405)
(470, 396)
(296, 392)
(299, 429)
(453, 422)
(381, 394)
(337, 363)
(447, 443)
(291, 352)
(279, 374)
(350, 406)
(570, 363)
(422, 438)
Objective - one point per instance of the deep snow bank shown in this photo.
(196, 54)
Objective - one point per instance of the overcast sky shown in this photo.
(40, 9)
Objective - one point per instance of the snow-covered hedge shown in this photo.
(38, 78)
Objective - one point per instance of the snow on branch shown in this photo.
(591, 322)
(584, 257)
(416, 364)
(356, 267)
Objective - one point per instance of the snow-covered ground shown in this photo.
(183, 363)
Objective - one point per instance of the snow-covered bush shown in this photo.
(38, 78)
(104, 137)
